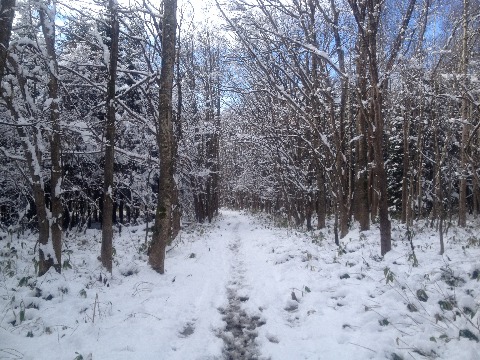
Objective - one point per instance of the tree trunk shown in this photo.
(377, 138)
(107, 213)
(381, 175)
(419, 156)
(342, 165)
(33, 156)
(462, 201)
(361, 203)
(34, 159)
(406, 168)
(163, 215)
(438, 206)
(7, 12)
(47, 19)
(321, 201)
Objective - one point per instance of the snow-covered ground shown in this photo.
(241, 288)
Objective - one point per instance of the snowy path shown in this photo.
(241, 289)
(240, 331)
(245, 298)
(220, 307)
(266, 268)
(261, 319)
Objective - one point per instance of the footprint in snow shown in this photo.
(188, 330)
(240, 331)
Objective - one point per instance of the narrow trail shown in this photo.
(240, 332)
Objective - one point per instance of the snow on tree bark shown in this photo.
(47, 19)
(108, 184)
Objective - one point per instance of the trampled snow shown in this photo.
(243, 288)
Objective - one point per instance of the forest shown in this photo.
(133, 129)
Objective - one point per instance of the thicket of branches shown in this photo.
(80, 77)
(362, 110)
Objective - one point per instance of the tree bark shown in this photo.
(321, 201)
(7, 13)
(107, 221)
(341, 163)
(163, 215)
(462, 201)
(47, 19)
(33, 156)
(406, 167)
(438, 205)
(381, 175)
(360, 201)
(419, 157)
